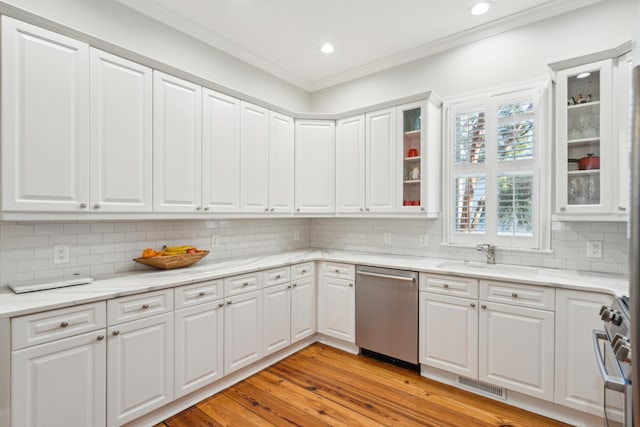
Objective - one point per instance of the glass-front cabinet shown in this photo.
(418, 153)
(585, 146)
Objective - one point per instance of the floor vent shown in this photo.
(486, 389)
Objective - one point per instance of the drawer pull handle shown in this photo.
(145, 306)
(304, 271)
(483, 306)
(245, 284)
(446, 286)
(295, 284)
(100, 337)
(338, 270)
(473, 304)
(64, 324)
(289, 287)
(221, 304)
(350, 284)
(277, 276)
(514, 295)
(201, 293)
(116, 332)
(229, 302)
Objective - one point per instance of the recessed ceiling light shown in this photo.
(327, 48)
(481, 8)
(583, 75)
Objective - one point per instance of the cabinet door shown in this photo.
(303, 308)
(516, 349)
(381, 179)
(177, 144)
(622, 131)
(220, 152)
(585, 128)
(315, 166)
(121, 134)
(578, 384)
(198, 346)
(281, 163)
(336, 308)
(140, 367)
(350, 170)
(45, 120)
(242, 330)
(254, 158)
(276, 318)
(61, 383)
(448, 333)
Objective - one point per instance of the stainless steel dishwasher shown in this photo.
(387, 312)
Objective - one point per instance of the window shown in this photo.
(495, 148)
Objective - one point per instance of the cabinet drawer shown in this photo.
(341, 271)
(300, 271)
(51, 325)
(517, 294)
(240, 284)
(198, 293)
(139, 306)
(276, 276)
(449, 285)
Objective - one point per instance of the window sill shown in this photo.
(501, 248)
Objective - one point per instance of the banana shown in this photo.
(177, 248)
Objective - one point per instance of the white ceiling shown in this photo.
(283, 37)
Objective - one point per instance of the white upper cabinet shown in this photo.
(220, 152)
(177, 144)
(281, 163)
(350, 169)
(315, 166)
(45, 120)
(622, 134)
(121, 134)
(381, 161)
(254, 158)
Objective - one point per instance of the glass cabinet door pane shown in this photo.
(412, 130)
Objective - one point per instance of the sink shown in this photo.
(475, 265)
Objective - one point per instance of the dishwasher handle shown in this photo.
(386, 276)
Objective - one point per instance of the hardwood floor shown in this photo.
(322, 386)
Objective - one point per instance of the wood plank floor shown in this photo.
(322, 386)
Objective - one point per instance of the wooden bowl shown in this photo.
(172, 261)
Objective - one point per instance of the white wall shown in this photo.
(518, 55)
(113, 23)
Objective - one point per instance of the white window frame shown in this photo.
(540, 166)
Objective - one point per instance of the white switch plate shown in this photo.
(60, 254)
(296, 235)
(424, 240)
(387, 238)
(215, 240)
(594, 249)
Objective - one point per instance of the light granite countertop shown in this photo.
(103, 288)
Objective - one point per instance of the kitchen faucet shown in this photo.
(489, 250)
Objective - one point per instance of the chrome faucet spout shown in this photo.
(489, 250)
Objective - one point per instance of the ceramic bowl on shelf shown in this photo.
(412, 152)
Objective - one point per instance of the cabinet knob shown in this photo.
(473, 304)
(298, 210)
(198, 208)
(277, 276)
(350, 284)
(96, 206)
(622, 208)
(206, 208)
(422, 209)
(100, 337)
(116, 332)
(273, 209)
(229, 302)
(446, 286)
(361, 209)
(514, 295)
(367, 209)
(266, 209)
(304, 271)
(295, 284)
(201, 293)
(483, 306)
(64, 324)
(337, 270)
(245, 284)
(289, 287)
(562, 208)
(83, 205)
(145, 306)
(221, 304)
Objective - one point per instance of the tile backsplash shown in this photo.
(107, 247)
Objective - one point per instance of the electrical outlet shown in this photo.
(296, 234)
(60, 254)
(424, 240)
(387, 238)
(594, 249)
(215, 241)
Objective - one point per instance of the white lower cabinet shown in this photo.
(336, 308)
(578, 382)
(516, 348)
(303, 308)
(276, 318)
(61, 383)
(449, 338)
(198, 346)
(139, 367)
(242, 330)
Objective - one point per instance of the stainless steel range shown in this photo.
(613, 353)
